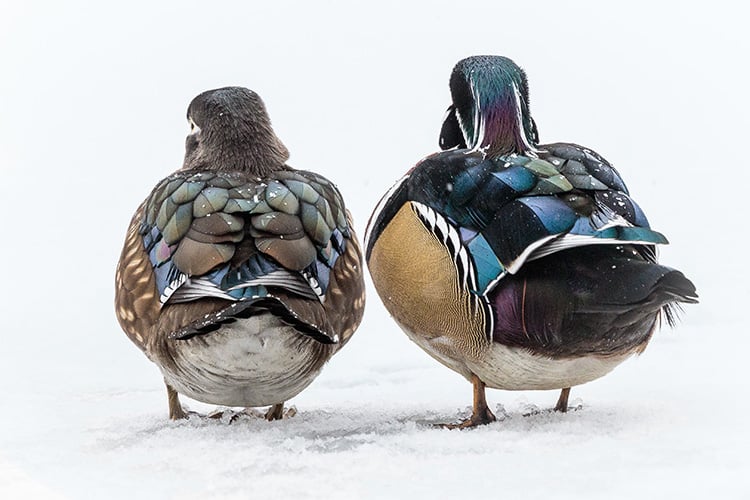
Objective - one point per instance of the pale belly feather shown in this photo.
(517, 369)
(256, 361)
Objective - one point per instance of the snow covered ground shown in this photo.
(668, 425)
(92, 104)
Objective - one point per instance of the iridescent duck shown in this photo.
(520, 266)
(240, 276)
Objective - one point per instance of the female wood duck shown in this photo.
(240, 276)
(520, 266)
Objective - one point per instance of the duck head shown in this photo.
(230, 130)
(490, 110)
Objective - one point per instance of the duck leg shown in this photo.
(562, 402)
(481, 414)
(175, 408)
(276, 412)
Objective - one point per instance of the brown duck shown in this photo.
(240, 276)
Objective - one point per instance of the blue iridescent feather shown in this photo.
(514, 207)
(221, 214)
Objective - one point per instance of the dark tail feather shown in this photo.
(674, 289)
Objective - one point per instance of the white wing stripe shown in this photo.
(451, 240)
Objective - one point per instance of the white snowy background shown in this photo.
(92, 114)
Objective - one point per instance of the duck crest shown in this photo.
(490, 108)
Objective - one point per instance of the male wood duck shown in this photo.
(240, 276)
(520, 266)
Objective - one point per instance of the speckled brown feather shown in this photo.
(136, 297)
(346, 292)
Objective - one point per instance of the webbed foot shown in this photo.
(481, 414)
(482, 418)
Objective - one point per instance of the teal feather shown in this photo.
(487, 265)
(517, 178)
